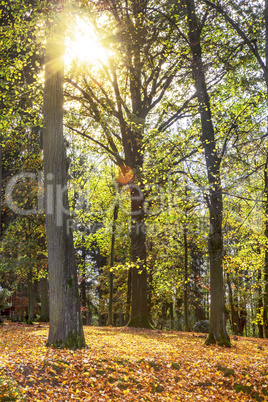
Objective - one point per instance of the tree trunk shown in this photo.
(128, 303)
(171, 311)
(260, 305)
(265, 298)
(44, 316)
(65, 329)
(1, 167)
(139, 307)
(83, 290)
(30, 292)
(234, 309)
(185, 290)
(217, 333)
(111, 289)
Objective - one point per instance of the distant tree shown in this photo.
(4, 295)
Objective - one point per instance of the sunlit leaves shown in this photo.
(128, 364)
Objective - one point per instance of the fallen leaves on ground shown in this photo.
(126, 364)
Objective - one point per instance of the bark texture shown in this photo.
(65, 328)
(111, 279)
(265, 299)
(139, 305)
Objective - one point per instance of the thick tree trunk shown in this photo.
(132, 140)
(65, 329)
(217, 332)
(139, 307)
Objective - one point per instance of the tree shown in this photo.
(65, 328)
(251, 37)
(118, 99)
(4, 295)
(217, 332)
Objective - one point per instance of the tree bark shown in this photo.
(65, 329)
(265, 298)
(128, 301)
(264, 68)
(83, 290)
(139, 306)
(260, 304)
(217, 333)
(111, 286)
(234, 309)
(44, 316)
(30, 292)
(185, 290)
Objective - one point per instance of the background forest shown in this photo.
(165, 134)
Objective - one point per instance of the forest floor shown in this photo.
(126, 364)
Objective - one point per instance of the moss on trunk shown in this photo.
(140, 322)
(221, 340)
(72, 342)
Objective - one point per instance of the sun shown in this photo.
(84, 45)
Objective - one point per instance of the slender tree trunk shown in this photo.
(65, 329)
(1, 167)
(171, 310)
(128, 304)
(265, 298)
(217, 333)
(111, 286)
(150, 293)
(83, 288)
(234, 312)
(30, 292)
(44, 316)
(185, 290)
(150, 282)
(260, 305)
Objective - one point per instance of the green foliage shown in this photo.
(4, 295)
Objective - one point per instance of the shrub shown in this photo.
(201, 326)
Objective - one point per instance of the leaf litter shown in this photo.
(127, 364)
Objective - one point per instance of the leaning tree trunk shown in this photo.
(217, 332)
(65, 329)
